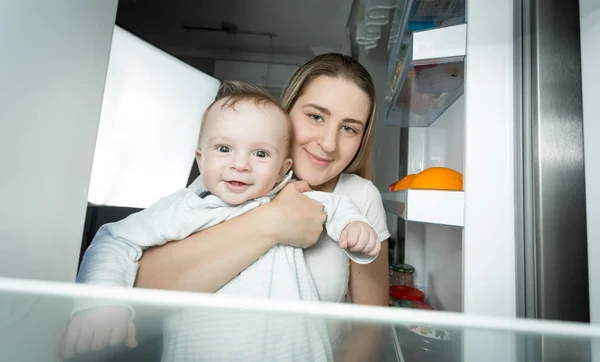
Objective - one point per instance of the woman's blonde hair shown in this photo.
(338, 66)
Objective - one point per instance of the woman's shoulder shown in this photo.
(367, 198)
(350, 179)
(352, 184)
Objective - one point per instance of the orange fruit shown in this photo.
(404, 183)
(438, 178)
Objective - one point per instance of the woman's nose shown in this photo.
(329, 140)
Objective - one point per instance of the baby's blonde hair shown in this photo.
(230, 87)
(239, 92)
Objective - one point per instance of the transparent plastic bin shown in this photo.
(417, 15)
(424, 87)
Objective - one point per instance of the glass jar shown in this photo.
(402, 274)
(425, 344)
(412, 304)
(403, 292)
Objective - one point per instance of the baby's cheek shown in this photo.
(265, 186)
(264, 189)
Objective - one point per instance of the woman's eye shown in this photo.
(223, 149)
(261, 154)
(349, 129)
(316, 118)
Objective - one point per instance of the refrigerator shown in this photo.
(519, 241)
(498, 99)
(524, 234)
(515, 242)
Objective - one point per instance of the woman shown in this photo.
(331, 101)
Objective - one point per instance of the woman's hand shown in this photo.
(209, 259)
(297, 219)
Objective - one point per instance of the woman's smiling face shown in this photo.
(329, 119)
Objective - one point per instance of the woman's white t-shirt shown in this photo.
(328, 263)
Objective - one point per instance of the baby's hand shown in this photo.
(95, 329)
(360, 237)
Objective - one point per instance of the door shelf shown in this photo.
(427, 206)
(429, 78)
(418, 15)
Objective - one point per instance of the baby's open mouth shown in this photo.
(236, 183)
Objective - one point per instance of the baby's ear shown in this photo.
(287, 164)
(199, 160)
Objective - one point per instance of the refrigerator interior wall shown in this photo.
(436, 251)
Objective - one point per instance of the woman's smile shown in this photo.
(318, 161)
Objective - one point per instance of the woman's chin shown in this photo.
(310, 179)
(319, 183)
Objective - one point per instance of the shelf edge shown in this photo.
(436, 207)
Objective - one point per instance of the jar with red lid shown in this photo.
(412, 304)
(403, 292)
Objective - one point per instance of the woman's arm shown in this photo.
(369, 284)
(207, 260)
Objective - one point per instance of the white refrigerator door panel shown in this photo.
(489, 234)
(52, 73)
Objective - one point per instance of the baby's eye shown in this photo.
(223, 149)
(261, 154)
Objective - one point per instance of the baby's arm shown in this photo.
(112, 259)
(112, 256)
(347, 225)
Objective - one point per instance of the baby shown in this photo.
(243, 160)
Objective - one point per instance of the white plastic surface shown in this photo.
(440, 43)
(151, 114)
(489, 271)
(53, 61)
(427, 206)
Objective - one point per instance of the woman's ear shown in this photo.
(287, 164)
(199, 160)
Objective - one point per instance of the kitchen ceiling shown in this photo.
(302, 28)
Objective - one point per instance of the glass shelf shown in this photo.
(35, 314)
(427, 206)
(430, 77)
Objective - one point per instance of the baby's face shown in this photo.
(243, 151)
